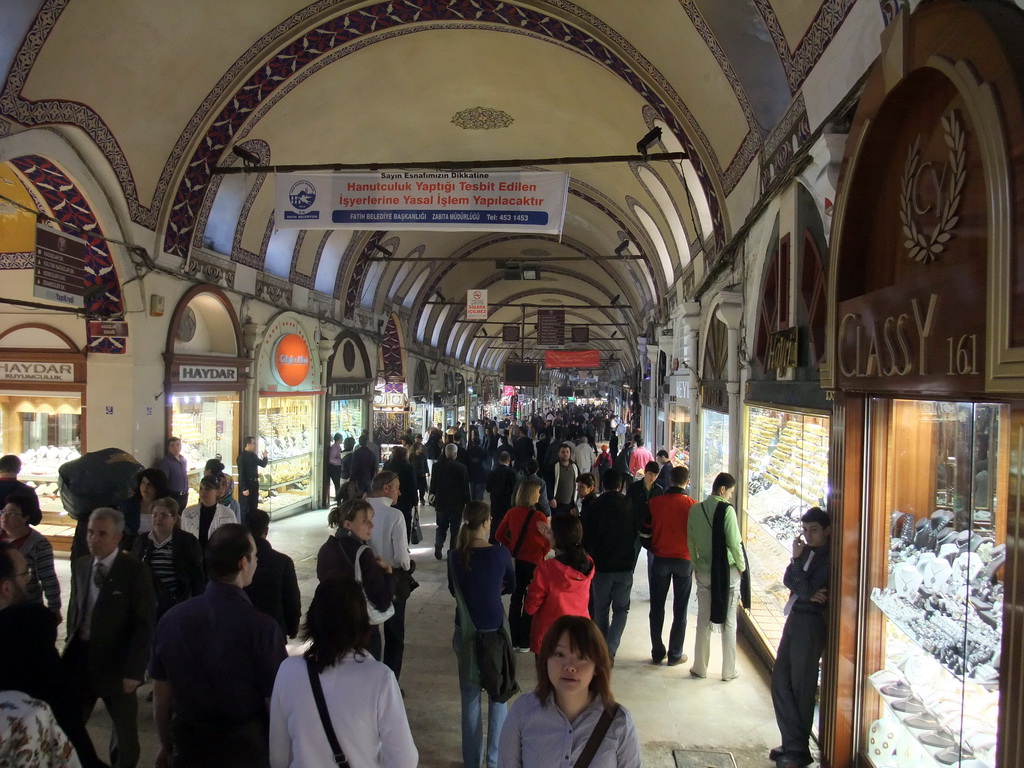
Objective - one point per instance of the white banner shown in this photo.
(492, 201)
(476, 304)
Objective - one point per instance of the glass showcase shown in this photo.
(935, 530)
(679, 436)
(787, 473)
(208, 427)
(714, 450)
(285, 434)
(44, 431)
(348, 418)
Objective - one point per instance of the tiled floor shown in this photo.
(671, 709)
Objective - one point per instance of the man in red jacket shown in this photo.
(664, 531)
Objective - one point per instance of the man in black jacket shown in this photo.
(610, 535)
(249, 475)
(449, 494)
(274, 589)
(795, 677)
(501, 484)
(28, 636)
(522, 447)
(110, 630)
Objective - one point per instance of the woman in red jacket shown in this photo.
(561, 585)
(521, 533)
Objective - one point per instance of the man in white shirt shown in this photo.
(389, 542)
(584, 454)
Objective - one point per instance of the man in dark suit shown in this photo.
(364, 464)
(449, 494)
(110, 629)
(28, 637)
(501, 484)
(274, 589)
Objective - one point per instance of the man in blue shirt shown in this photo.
(214, 660)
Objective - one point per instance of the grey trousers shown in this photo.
(795, 680)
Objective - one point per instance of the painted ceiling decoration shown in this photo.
(363, 81)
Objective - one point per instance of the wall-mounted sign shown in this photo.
(510, 333)
(550, 327)
(18, 371)
(59, 268)
(108, 329)
(212, 373)
(715, 398)
(495, 201)
(291, 360)
(576, 358)
(476, 304)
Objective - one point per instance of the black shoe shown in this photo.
(658, 656)
(775, 753)
(437, 553)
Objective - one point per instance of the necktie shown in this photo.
(99, 575)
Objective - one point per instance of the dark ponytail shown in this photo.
(567, 531)
(474, 516)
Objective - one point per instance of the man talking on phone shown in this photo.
(795, 677)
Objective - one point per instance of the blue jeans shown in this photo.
(472, 722)
(609, 593)
(677, 572)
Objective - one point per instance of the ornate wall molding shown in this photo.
(210, 267)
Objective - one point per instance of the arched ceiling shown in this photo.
(157, 93)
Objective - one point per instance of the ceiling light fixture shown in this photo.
(531, 272)
(649, 138)
(615, 298)
(622, 247)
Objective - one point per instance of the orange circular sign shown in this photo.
(291, 360)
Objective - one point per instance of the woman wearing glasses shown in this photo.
(174, 558)
(18, 516)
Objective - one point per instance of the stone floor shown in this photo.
(671, 709)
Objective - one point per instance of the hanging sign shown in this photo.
(577, 358)
(510, 333)
(581, 334)
(59, 268)
(551, 327)
(476, 304)
(291, 360)
(495, 201)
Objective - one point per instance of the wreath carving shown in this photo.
(922, 245)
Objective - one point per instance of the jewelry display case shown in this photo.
(714, 450)
(936, 528)
(44, 431)
(285, 424)
(347, 417)
(208, 427)
(786, 468)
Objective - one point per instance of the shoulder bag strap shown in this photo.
(596, 737)
(522, 534)
(325, 717)
(356, 566)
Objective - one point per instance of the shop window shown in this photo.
(935, 532)
(285, 434)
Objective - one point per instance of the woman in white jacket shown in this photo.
(364, 705)
(207, 516)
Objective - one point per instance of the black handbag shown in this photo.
(416, 534)
(325, 716)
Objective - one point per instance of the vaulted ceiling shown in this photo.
(155, 94)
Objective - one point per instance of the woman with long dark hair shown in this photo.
(150, 484)
(478, 574)
(561, 584)
(520, 533)
(363, 703)
(572, 698)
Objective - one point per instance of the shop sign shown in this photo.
(59, 273)
(108, 329)
(495, 201)
(291, 360)
(714, 398)
(18, 371)
(350, 390)
(476, 304)
(550, 327)
(207, 373)
(582, 358)
(783, 350)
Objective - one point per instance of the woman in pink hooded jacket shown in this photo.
(561, 585)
